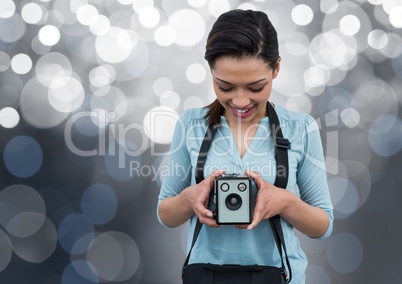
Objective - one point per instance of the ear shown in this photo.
(277, 68)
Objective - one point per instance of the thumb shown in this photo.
(256, 220)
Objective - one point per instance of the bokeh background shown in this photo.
(90, 91)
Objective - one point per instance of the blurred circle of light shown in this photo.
(139, 5)
(300, 103)
(7, 8)
(385, 135)
(317, 76)
(36, 108)
(75, 233)
(160, 123)
(66, 94)
(197, 3)
(246, 6)
(115, 45)
(99, 203)
(170, 99)
(377, 39)
(302, 15)
(100, 25)
(102, 76)
(346, 197)
(331, 50)
(6, 250)
(350, 117)
(79, 271)
(23, 156)
(395, 17)
(349, 25)
(297, 43)
(31, 13)
(192, 102)
(359, 174)
(125, 2)
(372, 99)
(394, 40)
(389, 5)
(218, 7)
(114, 255)
(22, 210)
(329, 6)
(344, 253)
(4, 61)
(12, 29)
(164, 35)
(38, 47)
(49, 35)
(9, 117)
(86, 14)
(376, 2)
(196, 73)
(149, 17)
(189, 27)
(37, 247)
(162, 85)
(21, 63)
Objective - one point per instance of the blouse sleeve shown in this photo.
(312, 175)
(178, 174)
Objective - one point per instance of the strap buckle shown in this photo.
(282, 143)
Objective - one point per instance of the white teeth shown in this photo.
(241, 110)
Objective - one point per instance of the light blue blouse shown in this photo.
(307, 179)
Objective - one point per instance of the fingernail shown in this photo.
(209, 214)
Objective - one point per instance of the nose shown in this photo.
(241, 99)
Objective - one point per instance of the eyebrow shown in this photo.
(249, 84)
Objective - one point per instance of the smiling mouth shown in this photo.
(244, 110)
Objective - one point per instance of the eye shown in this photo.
(257, 90)
(225, 90)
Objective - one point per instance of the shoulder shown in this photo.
(194, 116)
(296, 119)
(293, 116)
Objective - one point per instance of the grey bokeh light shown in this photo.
(89, 94)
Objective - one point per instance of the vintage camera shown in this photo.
(233, 199)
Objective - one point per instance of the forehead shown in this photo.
(241, 69)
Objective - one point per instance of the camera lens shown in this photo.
(224, 187)
(233, 201)
(242, 186)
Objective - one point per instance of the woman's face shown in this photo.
(243, 87)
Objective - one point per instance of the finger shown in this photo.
(210, 179)
(256, 220)
(241, 226)
(256, 177)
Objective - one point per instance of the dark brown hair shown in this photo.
(240, 34)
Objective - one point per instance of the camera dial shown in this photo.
(224, 187)
(242, 186)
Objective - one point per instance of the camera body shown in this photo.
(233, 199)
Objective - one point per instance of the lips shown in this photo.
(242, 112)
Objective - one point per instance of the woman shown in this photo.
(242, 52)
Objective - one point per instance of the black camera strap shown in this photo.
(281, 156)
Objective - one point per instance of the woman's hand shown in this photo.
(176, 210)
(199, 199)
(270, 201)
